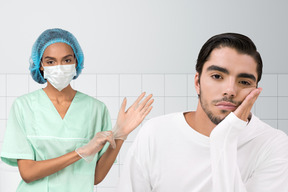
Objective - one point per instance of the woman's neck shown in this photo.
(65, 94)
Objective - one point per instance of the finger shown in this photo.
(251, 98)
(107, 133)
(246, 106)
(144, 102)
(138, 100)
(103, 134)
(244, 109)
(112, 141)
(150, 102)
(123, 105)
(147, 106)
(147, 111)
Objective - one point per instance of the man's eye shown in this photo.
(245, 83)
(216, 76)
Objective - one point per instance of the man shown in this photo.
(220, 147)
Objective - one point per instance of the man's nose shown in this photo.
(230, 88)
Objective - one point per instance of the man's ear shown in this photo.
(197, 83)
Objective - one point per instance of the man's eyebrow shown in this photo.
(217, 68)
(224, 70)
(247, 75)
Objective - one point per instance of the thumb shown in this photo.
(243, 111)
(112, 142)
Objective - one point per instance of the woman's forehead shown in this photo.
(58, 50)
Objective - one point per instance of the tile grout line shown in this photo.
(6, 95)
(157, 96)
(96, 85)
(164, 82)
(187, 90)
(142, 83)
(277, 87)
(119, 103)
(193, 73)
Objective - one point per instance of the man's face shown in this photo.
(227, 78)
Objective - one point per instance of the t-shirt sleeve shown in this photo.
(135, 175)
(15, 145)
(270, 175)
(223, 149)
(106, 126)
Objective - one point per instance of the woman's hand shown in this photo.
(128, 120)
(89, 150)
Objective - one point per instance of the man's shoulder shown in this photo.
(165, 119)
(267, 133)
(262, 126)
(162, 123)
(156, 131)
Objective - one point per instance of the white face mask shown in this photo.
(59, 76)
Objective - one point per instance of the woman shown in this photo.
(58, 137)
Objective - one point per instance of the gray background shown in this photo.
(148, 36)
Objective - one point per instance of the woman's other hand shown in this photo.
(128, 120)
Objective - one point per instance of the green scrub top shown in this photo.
(36, 131)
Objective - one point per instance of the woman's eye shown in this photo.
(68, 60)
(216, 76)
(50, 62)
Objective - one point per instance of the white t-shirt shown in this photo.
(169, 156)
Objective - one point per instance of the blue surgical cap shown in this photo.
(48, 37)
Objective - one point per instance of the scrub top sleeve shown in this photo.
(106, 126)
(16, 145)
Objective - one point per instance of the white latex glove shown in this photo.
(128, 120)
(89, 150)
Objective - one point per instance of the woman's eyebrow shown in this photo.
(68, 56)
(48, 57)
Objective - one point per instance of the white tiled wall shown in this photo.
(172, 93)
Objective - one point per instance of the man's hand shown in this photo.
(243, 111)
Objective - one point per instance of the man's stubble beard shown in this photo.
(213, 118)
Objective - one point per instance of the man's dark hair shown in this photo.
(240, 43)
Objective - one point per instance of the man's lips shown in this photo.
(224, 105)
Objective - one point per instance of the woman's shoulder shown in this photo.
(28, 96)
(89, 99)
